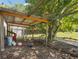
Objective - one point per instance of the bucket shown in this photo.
(10, 41)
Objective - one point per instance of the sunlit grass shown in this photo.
(73, 35)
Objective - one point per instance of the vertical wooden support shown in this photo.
(8, 29)
(46, 34)
(32, 33)
(1, 33)
(23, 33)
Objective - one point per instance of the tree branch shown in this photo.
(63, 10)
(64, 15)
(74, 8)
(67, 8)
(39, 3)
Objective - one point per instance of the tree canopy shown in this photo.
(53, 9)
(61, 14)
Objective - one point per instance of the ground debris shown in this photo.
(35, 52)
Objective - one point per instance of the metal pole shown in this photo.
(2, 33)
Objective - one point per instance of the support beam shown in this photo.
(9, 12)
(19, 24)
(1, 33)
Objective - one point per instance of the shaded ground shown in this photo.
(35, 52)
(68, 41)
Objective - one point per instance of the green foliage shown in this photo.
(41, 27)
(66, 2)
(58, 10)
(4, 6)
(53, 10)
(69, 23)
(20, 7)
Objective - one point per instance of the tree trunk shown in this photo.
(52, 29)
(49, 32)
(55, 28)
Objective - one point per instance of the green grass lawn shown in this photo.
(73, 35)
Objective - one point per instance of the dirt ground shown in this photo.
(35, 52)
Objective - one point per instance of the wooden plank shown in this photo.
(8, 29)
(19, 23)
(8, 12)
(10, 24)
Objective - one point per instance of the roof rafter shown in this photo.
(8, 12)
(18, 23)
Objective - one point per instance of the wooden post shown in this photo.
(33, 32)
(1, 33)
(8, 29)
(46, 35)
(23, 33)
